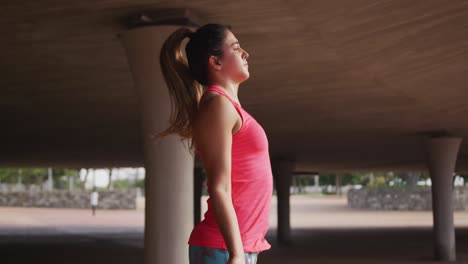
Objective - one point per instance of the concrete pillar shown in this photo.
(168, 163)
(197, 194)
(282, 174)
(50, 179)
(441, 159)
(338, 184)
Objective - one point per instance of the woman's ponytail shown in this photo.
(184, 90)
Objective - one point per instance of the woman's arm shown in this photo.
(213, 136)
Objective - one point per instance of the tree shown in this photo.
(38, 176)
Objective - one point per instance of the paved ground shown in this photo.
(324, 231)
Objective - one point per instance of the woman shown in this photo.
(232, 146)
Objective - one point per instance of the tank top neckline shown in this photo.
(219, 89)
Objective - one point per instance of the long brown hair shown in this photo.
(186, 76)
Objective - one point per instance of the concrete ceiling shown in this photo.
(337, 85)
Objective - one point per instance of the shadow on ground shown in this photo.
(327, 246)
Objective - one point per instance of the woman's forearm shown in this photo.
(226, 219)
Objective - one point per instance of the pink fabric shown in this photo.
(252, 187)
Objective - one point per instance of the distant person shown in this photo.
(94, 200)
(232, 145)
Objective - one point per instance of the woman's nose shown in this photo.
(245, 55)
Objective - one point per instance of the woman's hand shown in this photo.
(236, 259)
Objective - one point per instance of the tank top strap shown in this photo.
(221, 91)
(236, 105)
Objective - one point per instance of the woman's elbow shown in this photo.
(220, 190)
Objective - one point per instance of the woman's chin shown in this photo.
(246, 74)
(246, 77)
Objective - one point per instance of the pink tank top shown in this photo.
(251, 185)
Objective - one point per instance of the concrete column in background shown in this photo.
(338, 184)
(197, 194)
(441, 159)
(282, 174)
(50, 179)
(169, 165)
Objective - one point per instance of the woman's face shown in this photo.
(234, 61)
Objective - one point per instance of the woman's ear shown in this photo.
(214, 63)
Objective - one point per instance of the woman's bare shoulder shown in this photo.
(213, 103)
(207, 97)
(214, 110)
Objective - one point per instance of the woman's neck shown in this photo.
(229, 88)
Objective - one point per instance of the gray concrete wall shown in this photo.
(65, 199)
(408, 199)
